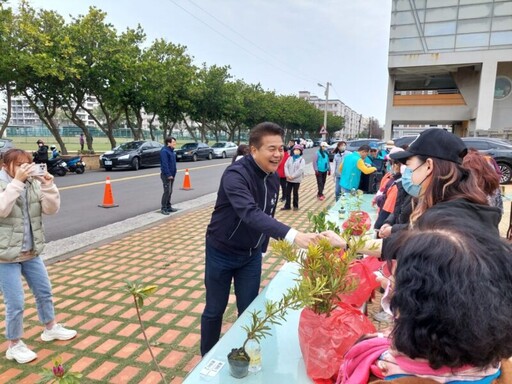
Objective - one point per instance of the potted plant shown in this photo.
(248, 357)
(327, 326)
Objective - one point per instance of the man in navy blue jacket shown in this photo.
(241, 225)
(168, 173)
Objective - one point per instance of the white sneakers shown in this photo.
(22, 354)
(58, 332)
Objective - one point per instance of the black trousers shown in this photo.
(295, 188)
(166, 197)
(284, 183)
(320, 182)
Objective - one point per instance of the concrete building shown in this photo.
(353, 120)
(450, 65)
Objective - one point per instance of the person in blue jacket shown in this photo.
(241, 224)
(322, 169)
(167, 174)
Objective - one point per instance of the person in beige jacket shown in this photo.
(294, 172)
(24, 197)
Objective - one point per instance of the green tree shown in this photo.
(209, 97)
(7, 60)
(168, 73)
(47, 58)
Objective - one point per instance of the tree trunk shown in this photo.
(8, 115)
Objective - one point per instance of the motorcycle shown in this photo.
(57, 166)
(75, 164)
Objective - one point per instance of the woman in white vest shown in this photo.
(25, 194)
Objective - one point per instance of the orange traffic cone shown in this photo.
(108, 197)
(186, 181)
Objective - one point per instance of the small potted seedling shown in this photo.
(248, 356)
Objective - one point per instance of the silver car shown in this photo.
(224, 149)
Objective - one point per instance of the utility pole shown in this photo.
(326, 86)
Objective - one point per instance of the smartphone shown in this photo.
(39, 170)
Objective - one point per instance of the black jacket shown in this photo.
(242, 221)
(484, 215)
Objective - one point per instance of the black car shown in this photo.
(134, 154)
(499, 149)
(194, 151)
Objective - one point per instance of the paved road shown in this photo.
(136, 192)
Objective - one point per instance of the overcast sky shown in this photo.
(285, 45)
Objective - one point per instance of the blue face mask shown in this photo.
(409, 187)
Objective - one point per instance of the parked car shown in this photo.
(224, 149)
(5, 145)
(499, 149)
(309, 143)
(194, 151)
(404, 140)
(134, 154)
(353, 145)
(330, 151)
(317, 141)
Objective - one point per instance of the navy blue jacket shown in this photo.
(168, 161)
(243, 219)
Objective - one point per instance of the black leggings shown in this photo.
(295, 188)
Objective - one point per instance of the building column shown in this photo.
(388, 134)
(486, 96)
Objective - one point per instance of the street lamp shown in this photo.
(326, 86)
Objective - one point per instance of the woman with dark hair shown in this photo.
(435, 176)
(452, 304)
(487, 178)
(241, 151)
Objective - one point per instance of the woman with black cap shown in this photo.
(435, 176)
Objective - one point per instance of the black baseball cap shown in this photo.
(437, 143)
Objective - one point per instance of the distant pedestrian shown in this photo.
(294, 171)
(41, 155)
(167, 174)
(54, 151)
(322, 168)
(339, 153)
(82, 142)
(241, 151)
(24, 199)
(240, 228)
(282, 176)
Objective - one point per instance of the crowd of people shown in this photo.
(449, 287)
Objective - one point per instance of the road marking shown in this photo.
(133, 177)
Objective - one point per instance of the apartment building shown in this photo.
(354, 122)
(450, 65)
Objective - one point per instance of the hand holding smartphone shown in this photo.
(38, 170)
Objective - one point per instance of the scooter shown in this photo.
(57, 166)
(75, 164)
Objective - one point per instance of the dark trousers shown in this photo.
(295, 188)
(166, 196)
(284, 183)
(320, 182)
(220, 269)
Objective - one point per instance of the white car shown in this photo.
(224, 149)
(309, 143)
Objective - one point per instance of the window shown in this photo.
(502, 88)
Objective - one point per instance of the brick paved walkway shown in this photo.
(90, 297)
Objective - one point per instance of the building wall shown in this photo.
(469, 39)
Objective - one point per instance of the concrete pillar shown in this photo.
(486, 95)
(389, 109)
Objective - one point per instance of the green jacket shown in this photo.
(11, 226)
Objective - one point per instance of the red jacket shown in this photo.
(280, 169)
